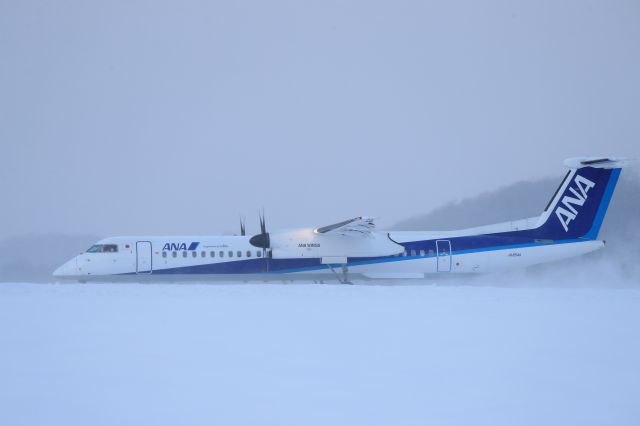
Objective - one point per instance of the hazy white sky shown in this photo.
(173, 117)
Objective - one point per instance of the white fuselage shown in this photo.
(400, 255)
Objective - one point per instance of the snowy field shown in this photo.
(301, 354)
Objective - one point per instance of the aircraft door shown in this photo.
(144, 261)
(443, 248)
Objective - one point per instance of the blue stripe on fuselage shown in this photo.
(459, 245)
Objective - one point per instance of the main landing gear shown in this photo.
(344, 277)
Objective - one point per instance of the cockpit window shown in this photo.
(103, 248)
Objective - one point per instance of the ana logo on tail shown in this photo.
(568, 213)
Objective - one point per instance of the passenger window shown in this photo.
(212, 254)
(203, 254)
(430, 252)
(164, 254)
(194, 254)
(184, 254)
(421, 252)
(221, 253)
(230, 253)
(239, 253)
(175, 254)
(258, 253)
(248, 253)
(413, 252)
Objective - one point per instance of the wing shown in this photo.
(362, 226)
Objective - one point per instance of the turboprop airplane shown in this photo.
(567, 227)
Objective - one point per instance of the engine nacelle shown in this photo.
(305, 243)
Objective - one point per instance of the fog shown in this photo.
(158, 117)
(174, 118)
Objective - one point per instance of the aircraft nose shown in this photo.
(68, 269)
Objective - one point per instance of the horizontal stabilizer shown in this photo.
(598, 162)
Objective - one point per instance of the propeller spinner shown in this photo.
(262, 239)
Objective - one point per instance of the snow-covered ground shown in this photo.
(300, 354)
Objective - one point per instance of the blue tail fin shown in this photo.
(578, 207)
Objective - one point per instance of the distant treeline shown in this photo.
(621, 228)
(518, 201)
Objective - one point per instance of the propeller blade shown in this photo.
(243, 230)
(263, 225)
